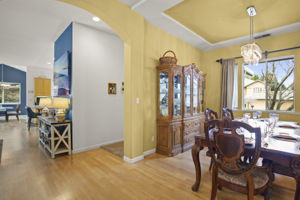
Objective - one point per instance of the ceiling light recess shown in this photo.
(96, 19)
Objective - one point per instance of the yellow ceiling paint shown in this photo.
(219, 20)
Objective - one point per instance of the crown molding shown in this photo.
(153, 11)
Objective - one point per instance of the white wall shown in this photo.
(34, 72)
(97, 60)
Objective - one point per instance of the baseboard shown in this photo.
(96, 146)
(139, 158)
(133, 160)
(151, 151)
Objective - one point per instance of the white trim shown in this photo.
(133, 160)
(96, 146)
(149, 152)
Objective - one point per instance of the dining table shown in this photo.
(282, 152)
(3, 110)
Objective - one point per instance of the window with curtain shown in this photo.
(10, 93)
(235, 95)
(269, 85)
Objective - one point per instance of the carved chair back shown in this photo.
(210, 115)
(227, 113)
(227, 146)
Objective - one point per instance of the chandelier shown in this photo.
(251, 52)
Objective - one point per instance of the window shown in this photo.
(10, 93)
(269, 85)
(235, 87)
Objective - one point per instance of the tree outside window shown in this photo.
(270, 85)
(10, 93)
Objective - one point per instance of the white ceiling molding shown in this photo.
(153, 11)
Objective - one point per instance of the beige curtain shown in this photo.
(227, 83)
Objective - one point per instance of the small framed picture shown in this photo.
(112, 88)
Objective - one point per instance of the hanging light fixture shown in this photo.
(251, 52)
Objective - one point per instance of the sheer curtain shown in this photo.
(227, 87)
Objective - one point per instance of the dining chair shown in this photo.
(31, 115)
(230, 169)
(14, 113)
(227, 113)
(210, 115)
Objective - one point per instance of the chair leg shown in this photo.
(6, 117)
(29, 123)
(214, 187)
(211, 164)
(250, 184)
(267, 194)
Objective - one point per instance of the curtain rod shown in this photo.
(266, 53)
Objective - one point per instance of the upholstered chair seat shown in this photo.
(260, 177)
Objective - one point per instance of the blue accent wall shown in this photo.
(63, 43)
(14, 75)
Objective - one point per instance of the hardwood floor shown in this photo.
(115, 148)
(27, 172)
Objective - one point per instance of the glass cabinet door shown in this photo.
(177, 95)
(163, 93)
(195, 94)
(187, 94)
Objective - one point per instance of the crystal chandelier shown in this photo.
(251, 52)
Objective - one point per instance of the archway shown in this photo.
(130, 28)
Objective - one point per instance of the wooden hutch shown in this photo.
(180, 105)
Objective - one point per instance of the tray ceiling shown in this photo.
(218, 23)
(220, 20)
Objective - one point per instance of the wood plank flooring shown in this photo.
(115, 148)
(27, 172)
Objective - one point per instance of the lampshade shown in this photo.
(60, 102)
(45, 101)
(251, 53)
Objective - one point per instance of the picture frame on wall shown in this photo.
(112, 88)
(62, 75)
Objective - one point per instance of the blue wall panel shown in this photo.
(63, 43)
(14, 75)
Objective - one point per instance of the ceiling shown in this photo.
(214, 24)
(30, 27)
(220, 20)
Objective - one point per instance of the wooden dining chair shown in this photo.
(14, 113)
(227, 113)
(230, 169)
(209, 116)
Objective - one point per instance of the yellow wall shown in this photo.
(144, 44)
(213, 69)
(156, 43)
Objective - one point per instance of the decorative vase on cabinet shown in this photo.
(179, 105)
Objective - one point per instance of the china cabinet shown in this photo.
(180, 105)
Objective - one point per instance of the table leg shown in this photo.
(297, 192)
(6, 116)
(195, 153)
